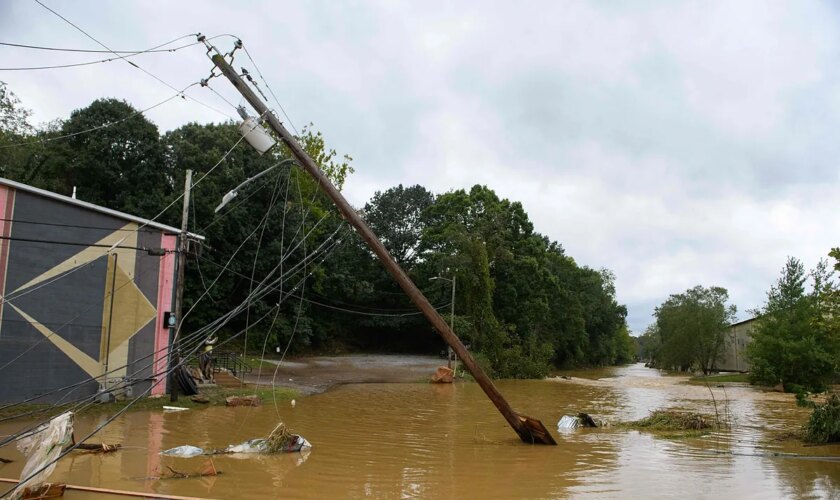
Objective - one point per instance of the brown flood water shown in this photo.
(433, 441)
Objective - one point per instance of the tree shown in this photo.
(795, 342)
(14, 119)
(529, 304)
(17, 135)
(692, 326)
(649, 345)
(395, 216)
(119, 166)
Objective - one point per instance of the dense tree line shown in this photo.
(521, 303)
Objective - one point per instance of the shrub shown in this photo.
(824, 424)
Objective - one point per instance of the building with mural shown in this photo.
(84, 293)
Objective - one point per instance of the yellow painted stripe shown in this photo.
(125, 237)
(85, 362)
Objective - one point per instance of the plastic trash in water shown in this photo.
(169, 409)
(185, 451)
(567, 423)
(42, 447)
(250, 446)
(299, 443)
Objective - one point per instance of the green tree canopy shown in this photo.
(396, 216)
(692, 326)
(796, 340)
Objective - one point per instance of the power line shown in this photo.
(262, 289)
(96, 51)
(365, 313)
(180, 93)
(74, 226)
(220, 96)
(88, 63)
(392, 313)
(62, 276)
(4, 300)
(215, 325)
(124, 57)
(84, 244)
(270, 90)
(103, 45)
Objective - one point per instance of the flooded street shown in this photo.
(447, 441)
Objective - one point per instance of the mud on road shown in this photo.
(318, 374)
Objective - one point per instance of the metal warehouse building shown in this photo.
(84, 291)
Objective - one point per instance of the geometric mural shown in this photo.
(79, 296)
(128, 314)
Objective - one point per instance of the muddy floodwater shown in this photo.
(419, 440)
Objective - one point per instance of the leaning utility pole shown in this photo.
(179, 290)
(530, 430)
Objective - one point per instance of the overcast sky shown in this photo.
(675, 142)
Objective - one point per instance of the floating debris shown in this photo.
(208, 470)
(280, 440)
(41, 449)
(568, 422)
(98, 447)
(252, 400)
(185, 451)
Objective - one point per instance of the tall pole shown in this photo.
(530, 430)
(174, 355)
(110, 321)
(451, 324)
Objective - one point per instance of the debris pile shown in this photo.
(280, 440)
(568, 422)
(252, 400)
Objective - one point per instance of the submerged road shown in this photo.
(313, 375)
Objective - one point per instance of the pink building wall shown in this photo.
(164, 304)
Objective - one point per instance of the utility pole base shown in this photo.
(534, 432)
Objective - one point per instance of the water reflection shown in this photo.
(448, 441)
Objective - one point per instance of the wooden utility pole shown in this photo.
(530, 430)
(174, 355)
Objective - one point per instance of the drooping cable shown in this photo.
(39, 2)
(99, 61)
(277, 101)
(104, 125)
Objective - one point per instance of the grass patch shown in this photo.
(215, 395)
(666, 420)
(673, 424)
(723, 378)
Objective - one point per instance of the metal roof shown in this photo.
(744, 321)
(95, 208)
